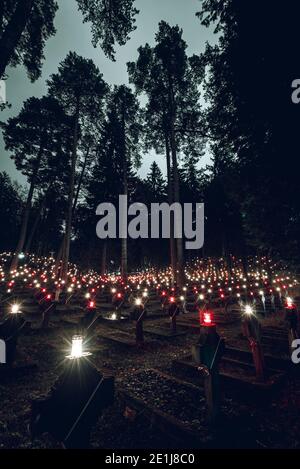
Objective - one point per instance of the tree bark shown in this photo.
(62, 245)
(124, 241)
(37, 219)
(13, 32)
(66, 251)
(81, 179)
(1, 17)
(179, 241)
(103, 258)
(33, 230)
(170, 200)
(58, 257)
(24, 226)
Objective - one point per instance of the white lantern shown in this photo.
(77, 348)
(248, 310)
(15, 309)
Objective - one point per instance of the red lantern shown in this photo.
(207, 318)
(92, 304)
(289, 303)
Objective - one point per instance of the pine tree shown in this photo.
(171, 82)
(26, 25)
(112, 22)
(118, 150)
(11, 205)
(34, 140)
(252, 121)
(123, 116)
(155, 184)
(84, 105)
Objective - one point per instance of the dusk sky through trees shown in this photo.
(73, 35)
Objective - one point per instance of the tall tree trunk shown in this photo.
(179, 241)
(59, 257)
(82, 174)
(171, 200)
(24, 226)
(224, 240)
(124, 241)
(37, 219)
(103, 258)
(39, 250)
(1, 15)
(66, 251)
(173, 145)
(13, 32)
(62, 245)
(33, 230)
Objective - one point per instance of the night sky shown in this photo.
(73, 35)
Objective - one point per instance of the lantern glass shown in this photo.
(207, 318)
(248, 310)
(77, 346)
(15, 309)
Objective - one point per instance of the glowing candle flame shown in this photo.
(207, 318)
(248, 310)
(15, 309)
(76, 346)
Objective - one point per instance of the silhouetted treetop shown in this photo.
(112, 22)
(25, 26)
